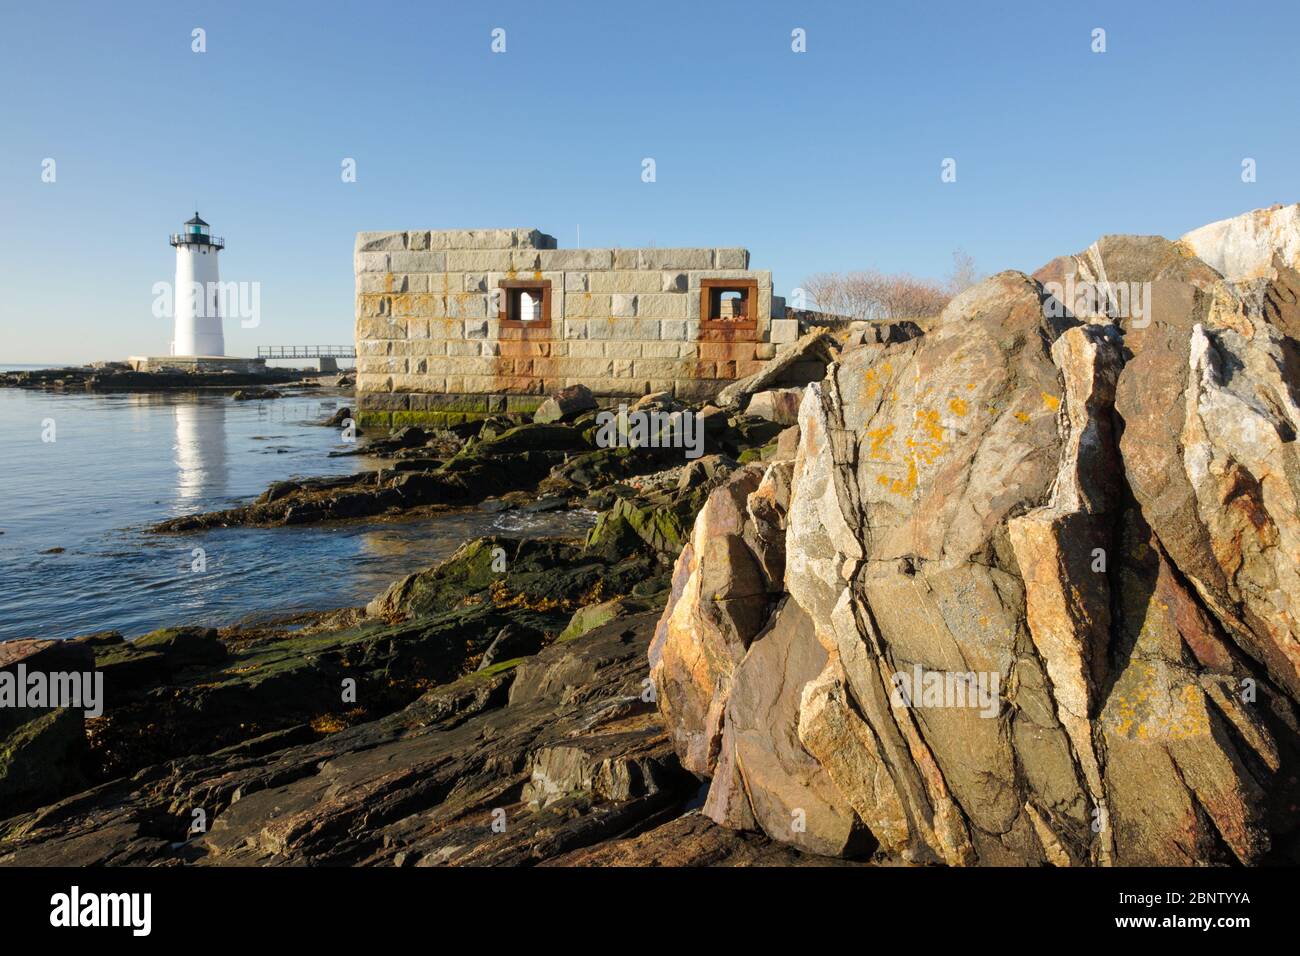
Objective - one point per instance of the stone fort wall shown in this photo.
(457, 324)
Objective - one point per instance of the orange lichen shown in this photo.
(871, 382)
(1146, 711)
(877, 438)
(327, 724)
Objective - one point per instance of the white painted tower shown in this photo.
(197, 291)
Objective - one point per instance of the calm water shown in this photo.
(122, 462)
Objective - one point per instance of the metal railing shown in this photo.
(197, 239)
(306, 351)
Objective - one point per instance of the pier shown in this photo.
(327, 356)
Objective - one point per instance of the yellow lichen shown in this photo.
(877, 438)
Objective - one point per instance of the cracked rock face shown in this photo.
(1040, 577)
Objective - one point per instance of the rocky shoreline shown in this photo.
(1014, 588)
(515, 459)
(118, 377)
(517, 668)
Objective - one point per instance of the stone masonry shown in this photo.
(458, 324)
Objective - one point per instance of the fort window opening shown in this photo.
(731, 302)
(525, 304)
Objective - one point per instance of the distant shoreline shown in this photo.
(118, 377)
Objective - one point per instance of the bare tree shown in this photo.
(824, 289)
(963, 275)
(875, 296)
(881, 297)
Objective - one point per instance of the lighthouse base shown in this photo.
(205, 364)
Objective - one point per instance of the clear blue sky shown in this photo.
(826, 160)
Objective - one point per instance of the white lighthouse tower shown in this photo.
(197, 291)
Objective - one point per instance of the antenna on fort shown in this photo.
(579, 235)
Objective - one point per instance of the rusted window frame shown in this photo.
(503, 307)
(713, 288)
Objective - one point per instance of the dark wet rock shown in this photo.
(42, 759)
(751, 432)
(511, 642)
(461, 480)
(561, 748)
(532, 437)
(181, 646)
(704, 470)
(660, 520)
(661, 525)
(101, 638)
(188, 691)
(592, 616)
(409, 436)
(595, 468)
(256, 394)
(691, 839)
(653, 587)
(536, 577)
(544, 504)
(341, 418)
(496, 425)
(278, 490)
(417, 464)
(43, 751)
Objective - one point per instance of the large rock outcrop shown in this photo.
(1040, 599)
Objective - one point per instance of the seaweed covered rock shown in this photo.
(565, 745)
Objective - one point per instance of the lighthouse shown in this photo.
(197, 295)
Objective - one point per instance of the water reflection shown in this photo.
(126, 461)
(202, 470)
